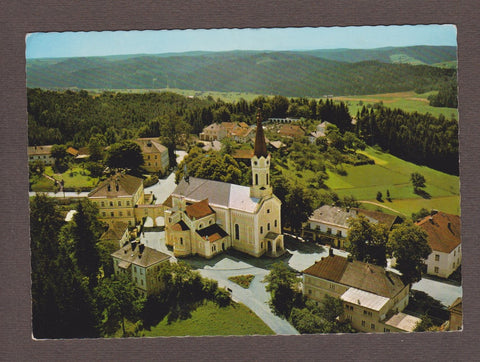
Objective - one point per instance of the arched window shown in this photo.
(268, 226)
(256, 179)
(267, 178)
(237, 232)
(261, 229)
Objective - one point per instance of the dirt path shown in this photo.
(380, 205)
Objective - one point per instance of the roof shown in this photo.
(83, 152)
(260, 149)
(405, 322)
(115, 231)
(277, 144)
(140, 255)
(218, 193)
(379, 216)
(242, 154)
(332, 215)
(168, 202)
(271, 235)
(212, 233)
(291, 130)
(213, 127)
(150, 145)
(39, 150)
(365, 299)
(457, 306)
(117, 185)
(443, 231)
(317, 134)
(72, 151)
(199, 209)
(356, 274)
(180, 226)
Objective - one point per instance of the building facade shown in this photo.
(155, 155)
(141, 264)
(444, 238)
(245, 218)
(117, 199)
(41, 153)
(213, 132)
(373, 297)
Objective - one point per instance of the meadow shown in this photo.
(209, 320)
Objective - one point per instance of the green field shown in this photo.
(211, 320)
(407, 101)
(393, 174)
(74, 177)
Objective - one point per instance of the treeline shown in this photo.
(419, 138)
(447, 95)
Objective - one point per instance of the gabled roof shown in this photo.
(356, 274)
(140, 255)
(220, 194)
(379, 216)
(212, 233)
(457, 305)
(333, 215)
(443, 231)
(242, 154)
(199, 209)
(72, 151)
(403, 321)
(150, 145)
(115, 231)
(117, 185)
(291, 130)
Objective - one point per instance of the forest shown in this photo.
(74, 118)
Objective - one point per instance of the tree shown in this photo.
(418, 181)
(408, 244)
(96, 146)
(172, 127)
(379, 196)
(36, 168)
(59, 153)
(119, 300)
(300, 204)
(85, 233)
(367, 241)
(424, 325)
(283, 288)
(126, 154)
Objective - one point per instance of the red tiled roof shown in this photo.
(199, 209)
(72, 151)
(212, 233)
(443, 231)
(291, 130)
(242, 154)
(331, 268)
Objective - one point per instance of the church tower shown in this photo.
(260, 165)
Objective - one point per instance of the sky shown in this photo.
(82, 44)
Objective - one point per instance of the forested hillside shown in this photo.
(293, 74)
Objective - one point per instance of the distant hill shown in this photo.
(293, 73)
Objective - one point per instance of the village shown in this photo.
(226, 230)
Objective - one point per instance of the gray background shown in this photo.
(20, 17)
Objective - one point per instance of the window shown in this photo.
(386, 330)
(275, 223)
(237, 232)
(155, 156)
(268, 226)
(120, 213)
(104, 214)
(261, 229)
(372, 326)
(332, 286)
(268, 211)
(454, 253)
(267, 178)
(309, 291)
(256, 179)
(200, 226)
(437, 257)
(135, 269)
(111, 203)
(103, 204)
(141, 281)
(436, 269)
(141, 271)
(119, 203)
(339, 233)
(112, 214)
(363, 323)
(128, 213)
(329, 230)
(128, 203)
(261, 245)
(181, 241)
(136, 280)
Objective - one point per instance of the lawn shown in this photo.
(74, 178)
(242, 280)
(407, 101)
(211, 320)
(393, 174)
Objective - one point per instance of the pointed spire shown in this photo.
(260, 145)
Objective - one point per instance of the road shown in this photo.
(381, 205)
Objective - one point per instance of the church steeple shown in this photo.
(260, 165)
(260, 145)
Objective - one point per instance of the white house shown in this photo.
(444, 238)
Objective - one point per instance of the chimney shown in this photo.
(330, 251)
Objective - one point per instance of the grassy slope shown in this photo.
(407, 101)
(73, 177)
(392, 173)
(211, 320)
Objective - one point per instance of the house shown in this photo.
(155, 155)
(312, 136)
(373, 297)
(141, 264)
(117, 198)
(83, 153)
(207, 217)
(117, 232)
(213, 132)
(240, 132)
(291, 131)
(332, 223)
(275, 145)
(42, 153)
(72, 151)
(322, 127)
(242, 155)
(444, 238)
(455, 322)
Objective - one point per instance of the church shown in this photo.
(208, 217)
